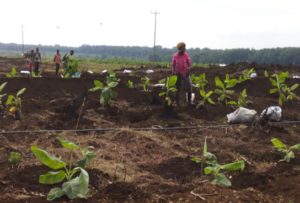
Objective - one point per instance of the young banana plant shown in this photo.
(169, 86)
(106, 91)
(223, 88)
(242, 100)
(216, 169)
(205, 98)
(15, 103)
(285, 93)
(288, 151)
(73, 175)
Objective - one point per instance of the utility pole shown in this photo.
(155, 21)
(22, 26)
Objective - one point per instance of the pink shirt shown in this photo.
(181, 63)
(57, 59)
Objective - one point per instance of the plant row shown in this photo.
(223, 93)
(71, 169)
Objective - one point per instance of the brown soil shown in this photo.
(147, 166)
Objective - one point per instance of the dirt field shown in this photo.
(154, 165)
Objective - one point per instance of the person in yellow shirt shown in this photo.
(66, 59)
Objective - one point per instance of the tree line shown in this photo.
(284, 56)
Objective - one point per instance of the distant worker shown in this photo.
(37, 61)
(57, 61)
(29, 58)
(67, 58)
(181, 64)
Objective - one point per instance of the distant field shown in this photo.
(96, 65)
(142, 147)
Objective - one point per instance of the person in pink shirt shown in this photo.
(57, 61)
(181, 64)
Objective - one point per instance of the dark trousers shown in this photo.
(184, 83)
(57, 65)
(36, 67)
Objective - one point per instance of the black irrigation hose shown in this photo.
(137, 129)
(287, 122)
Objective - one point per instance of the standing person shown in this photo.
(181, 64)
(37, 61)
(57, 61)
(66, 59)
(29, 57)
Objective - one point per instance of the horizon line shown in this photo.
(150, 47)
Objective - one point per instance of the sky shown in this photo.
(215, 24)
